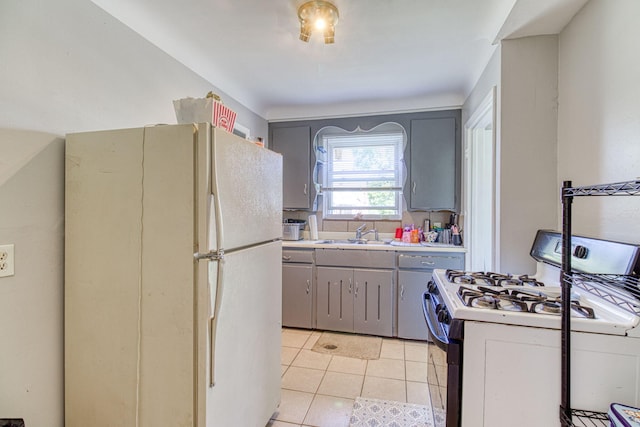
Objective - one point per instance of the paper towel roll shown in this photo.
(313, 227)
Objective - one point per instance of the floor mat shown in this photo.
(348, 345)
(378, 413)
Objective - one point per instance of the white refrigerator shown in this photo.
(172, 278)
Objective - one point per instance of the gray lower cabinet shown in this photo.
(357, 291)
(355, 300)
(411, 286)
(413, 277)
(297, 296)
(334, 305)
(298, 288)
(373, 302)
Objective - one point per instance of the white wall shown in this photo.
(525, 75)
(527, 153)
(597, 132)
(68, 66)
(65, 66)
(599, 114)
(489, 79)
(31, 301)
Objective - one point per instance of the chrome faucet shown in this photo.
(360, 234)
(373, 230)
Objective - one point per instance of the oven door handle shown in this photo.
(437, 333)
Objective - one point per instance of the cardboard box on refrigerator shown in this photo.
(199, 110)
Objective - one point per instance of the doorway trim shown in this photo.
(483, 117)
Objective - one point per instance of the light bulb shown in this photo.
(320, 16)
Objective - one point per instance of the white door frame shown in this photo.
(483, 117)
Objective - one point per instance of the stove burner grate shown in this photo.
(554, 307)
(490, 279)
(529, 281)
(497, 298)
(458, 276)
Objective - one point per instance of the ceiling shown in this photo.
(389, 55)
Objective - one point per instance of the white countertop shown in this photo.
(332, 241)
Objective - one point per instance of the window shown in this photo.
(362, 172)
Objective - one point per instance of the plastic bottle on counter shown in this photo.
(406, 235)
(399, 232)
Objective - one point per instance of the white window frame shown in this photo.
(334, 139)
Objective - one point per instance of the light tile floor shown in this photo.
(319, 389)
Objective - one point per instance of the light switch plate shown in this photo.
(6, 260)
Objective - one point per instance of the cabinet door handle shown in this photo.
(355, 294)
(402, 292)
(428, 263)
(413, 188)
(286, 258)
(308, 286)
(350, 285)
(305, 189)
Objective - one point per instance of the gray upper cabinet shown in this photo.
(432, 156)
(294, 143)
(433, 182)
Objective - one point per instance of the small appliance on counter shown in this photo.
(292, 229)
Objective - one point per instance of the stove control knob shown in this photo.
(443, 316)
(580, 252)
(431, 287)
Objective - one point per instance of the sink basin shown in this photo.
(342, 242)
(378, 242)
(350, 242)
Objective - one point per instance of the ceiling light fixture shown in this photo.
(318, 14)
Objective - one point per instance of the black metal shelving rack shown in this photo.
(570, 417)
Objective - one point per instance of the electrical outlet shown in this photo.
(6, 261)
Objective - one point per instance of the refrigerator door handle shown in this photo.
(214, 324)
(210, 256)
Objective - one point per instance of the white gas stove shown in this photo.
(534, 302)
(495, 357)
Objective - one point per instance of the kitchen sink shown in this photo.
(349, 242)
(341, 242)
